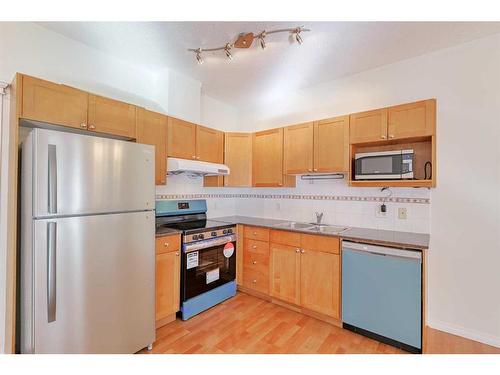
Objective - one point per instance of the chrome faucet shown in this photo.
(319, 217)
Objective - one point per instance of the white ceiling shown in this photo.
(330, 51)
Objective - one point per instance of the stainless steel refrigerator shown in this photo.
(87, 244)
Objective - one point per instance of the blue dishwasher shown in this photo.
(382, 294)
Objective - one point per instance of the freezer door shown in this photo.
(94, 284)
(78, 174)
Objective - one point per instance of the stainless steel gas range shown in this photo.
(208, 263)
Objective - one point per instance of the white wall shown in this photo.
(464, 278)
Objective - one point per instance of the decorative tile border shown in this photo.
(296, 196)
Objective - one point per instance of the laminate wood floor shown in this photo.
(246, 324)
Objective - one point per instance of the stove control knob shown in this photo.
(224, 231)
(195, 237)
(229, 231)
(201, 236)
(213, 234)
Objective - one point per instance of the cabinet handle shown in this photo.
(254, 233)
(391, 135)
(254, 281)
(315, 169)
(254, 246)
(280, 184)
(176, 253)
(166, 244)
(194, 157)
(83, 125)
(254, 262)
(297, 251)
(302, 251)
(309, 170)
(383, 136)
(91, 127)
(197, 158)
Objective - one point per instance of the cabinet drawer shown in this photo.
(320, 243)
(256, 280)
(284, 237)
(256, 247)
(256, 233)
(257, 262)
(166, 244)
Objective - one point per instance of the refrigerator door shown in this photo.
(94, 284)
(77, 174)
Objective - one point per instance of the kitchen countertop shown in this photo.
(408, 240)
(166, 232)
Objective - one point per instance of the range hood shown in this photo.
(195, 167)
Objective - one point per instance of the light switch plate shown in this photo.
(402, 213)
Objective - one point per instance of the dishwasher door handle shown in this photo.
(382, 250)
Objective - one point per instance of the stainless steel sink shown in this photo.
(293, 225)
(314, 228)
(330, 229)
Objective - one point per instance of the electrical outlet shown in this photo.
(402, 213)
(379, 213)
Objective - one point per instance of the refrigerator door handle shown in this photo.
(51, 270)
(52, 179)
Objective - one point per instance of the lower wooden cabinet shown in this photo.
(168, 265)
(296, 268)
(285, 273)
(320, 282)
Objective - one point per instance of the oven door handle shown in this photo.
(204, 244)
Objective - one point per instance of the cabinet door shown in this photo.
(209, 145)
(53, 103)
(268, 158)
(368, 126)
(152, 130)
(298, 148)
(238, 157)
(167, 284)
(111, 116)
(412, 120)
(285, 273)
(320, 282)
(181, 139)
(331, 145)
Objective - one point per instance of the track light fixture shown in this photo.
(227, 48)
(245, 40)
(198, 56)
(262, 41)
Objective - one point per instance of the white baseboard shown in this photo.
(466, 333)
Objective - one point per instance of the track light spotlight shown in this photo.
(298, 38)
(198, 56)
(227, 48)
(262, 35)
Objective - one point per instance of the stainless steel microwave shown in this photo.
(384, 165)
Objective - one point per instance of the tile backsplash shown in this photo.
(341, 204)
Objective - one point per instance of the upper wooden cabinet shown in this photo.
(331, 145)
(152, 130)
(53, 103)
(181, 139)
(370, 126)
(63, 105)
(298, 148)
(412, 120)
(111, 116)
(267, 159)
(238, 157)
(209, 145)
(322, 146)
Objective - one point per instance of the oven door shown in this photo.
(206, 265)
(378, 166)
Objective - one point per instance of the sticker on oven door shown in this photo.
(212, 275)
(228, 250)
(192, 260)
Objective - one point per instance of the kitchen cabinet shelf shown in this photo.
(392, 183)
